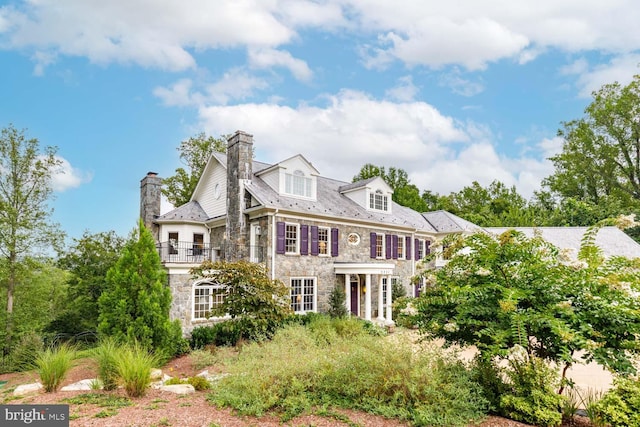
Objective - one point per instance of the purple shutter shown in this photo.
(394, 246)
(387, 246)
(417, 250)
(372, 237)
(314, 240)
(427, 243)
(304, 240)
(279, 237)
(407, 247)
(334, 242)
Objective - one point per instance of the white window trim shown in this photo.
(383, 252)
(315, 293)
(328, 230)
(421, 251)
(204, 285)
(402, 242)
(307, 184)
(385, 201)
(297, 250)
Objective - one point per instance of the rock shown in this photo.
(23, 389)
(84, 385)
(179, 388)
(156, 374)
(204, 373)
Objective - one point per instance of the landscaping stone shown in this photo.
(83, 385)
(156, 374)
(179, 388)
(23, 389)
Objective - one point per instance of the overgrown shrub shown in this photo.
(226, 333)
(133, 364)
(105, 355)
(202, 358)
(337, 300)
(403, 313)
(53, 364)
(296, 371)
(530, 396)
(24, 354)
(620, 406)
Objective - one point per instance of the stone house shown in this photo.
(311, 232)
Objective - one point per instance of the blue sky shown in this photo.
(451, 92)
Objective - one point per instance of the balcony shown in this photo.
(196, 253)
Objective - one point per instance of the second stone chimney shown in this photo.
(239, 173)
(150, 194)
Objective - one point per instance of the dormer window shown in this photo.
(378, 201)
(298, 184)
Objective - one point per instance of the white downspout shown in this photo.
(273, 246)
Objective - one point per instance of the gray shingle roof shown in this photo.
(611, 240)
(446, 222)
(191, 211)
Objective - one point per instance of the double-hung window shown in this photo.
(420, 247)
(303, 294)
(298, 184)
(324, 242)
(380, 246)
(291, 239)
(401, 241)
(206, 297)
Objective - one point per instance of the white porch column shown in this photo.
(347, 292)
(380, 300)
(389, 302)
(367, 298)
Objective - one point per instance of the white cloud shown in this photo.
(268, 58)
(404, 91)
(235, 84)
(67, 177)
(620, 69)
(438, 152)
(460, 85)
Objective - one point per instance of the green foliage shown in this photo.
(53, 364)
(530, 396)
(404, 193)
(300, 369)
(135, 305)
(403, 312)
(25, 352)
(226, 333)
(508, 290)
(133, 364)
(620, 406)
(194, 152)
(87, 260)
(337, 300)
(102, 400)
(256, 304)
(200, 359)
(105, 355)
(599, 158)
(25, 190)
(199, 383)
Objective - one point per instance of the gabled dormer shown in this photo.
(294, 177)
(373, 194)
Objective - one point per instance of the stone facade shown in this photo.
(150, 196)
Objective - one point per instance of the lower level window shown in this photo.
(303, 294)
(385, 284)
(206, 297)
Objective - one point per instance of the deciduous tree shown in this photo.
(25, 218)
(194, 153)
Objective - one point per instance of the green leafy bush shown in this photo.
(23, 355)
(53, 364)
(226, 333)
(337, 300)
(199, 383)
(620, 406)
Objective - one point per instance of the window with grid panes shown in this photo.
(303, 294)
(206, 297)
(291, 238)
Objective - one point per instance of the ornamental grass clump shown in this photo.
(133, 365)
(105, 354)
(53, 364)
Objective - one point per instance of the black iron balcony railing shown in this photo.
(195, 253)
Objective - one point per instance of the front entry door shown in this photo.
(355, 295)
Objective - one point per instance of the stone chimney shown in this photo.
(150, 192)
(239, 173)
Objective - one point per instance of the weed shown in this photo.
(99, 399)
(200, 359)
(105, 413)
(53, 364)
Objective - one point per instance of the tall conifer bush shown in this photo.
(135, 305)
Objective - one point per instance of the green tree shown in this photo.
(194, 153)
(25, 227)
(601, 152)
(253, 300)
(88, 260)
(135, 306)
(509, 290)
(404, 193)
